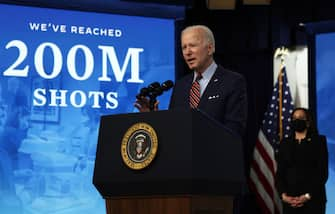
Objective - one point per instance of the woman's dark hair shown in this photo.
(312, 129)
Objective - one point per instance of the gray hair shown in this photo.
(207, 32)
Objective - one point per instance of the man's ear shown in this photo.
(211, 49)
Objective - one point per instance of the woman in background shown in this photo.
(302, 167)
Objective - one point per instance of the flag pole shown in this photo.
(282, 53)
(280, 100)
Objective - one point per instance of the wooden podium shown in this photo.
(170, 205)
(198, 167)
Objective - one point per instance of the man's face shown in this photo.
(196, 50)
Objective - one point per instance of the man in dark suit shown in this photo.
(222, 93)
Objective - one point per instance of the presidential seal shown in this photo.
(139, 146)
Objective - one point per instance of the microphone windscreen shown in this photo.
(154, 85)
(143, 93)
(167, 85)
(157, 91)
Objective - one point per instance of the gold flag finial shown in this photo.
(281, 52)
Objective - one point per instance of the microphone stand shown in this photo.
(152, 102)
(152, 97)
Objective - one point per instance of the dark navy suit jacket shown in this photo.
(224, 99)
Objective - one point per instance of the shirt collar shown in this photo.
(208, 73)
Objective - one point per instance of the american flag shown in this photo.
(275, 126)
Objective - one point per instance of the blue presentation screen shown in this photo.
(325, 88)
(61, 70)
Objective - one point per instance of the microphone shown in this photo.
(153, 86)
(166, 85)
(154, 90)
(143, 93)
(158, 89)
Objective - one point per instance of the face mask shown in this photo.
(299, 125)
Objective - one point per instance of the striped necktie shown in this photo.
(195, 92)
